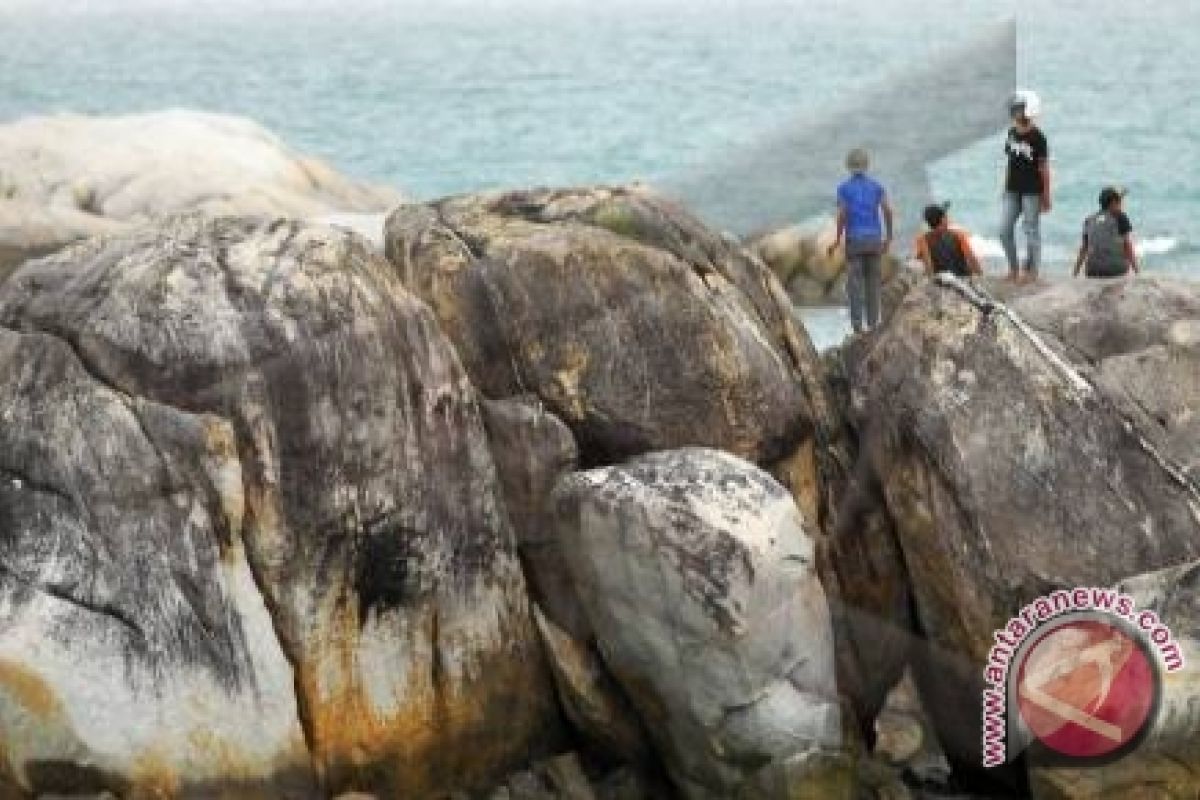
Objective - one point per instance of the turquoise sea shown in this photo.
(468, 94)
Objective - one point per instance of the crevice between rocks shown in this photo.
(247, 454)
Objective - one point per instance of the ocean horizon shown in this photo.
(474, 95)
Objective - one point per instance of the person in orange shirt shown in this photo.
(945, 249)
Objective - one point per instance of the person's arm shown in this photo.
(921, 252)
(1043, 162)
(1044, 168)
(969, 253)
(1079, 259)
(1131, 253)
(1125, 228)
(886, 205)
(841, 229)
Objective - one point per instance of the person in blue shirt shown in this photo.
(862, 202)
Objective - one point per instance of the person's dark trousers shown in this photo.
(863, 276)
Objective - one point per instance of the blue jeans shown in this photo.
(1029, 208)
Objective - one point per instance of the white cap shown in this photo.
(1027, 99)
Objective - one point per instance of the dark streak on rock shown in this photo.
(67, 596)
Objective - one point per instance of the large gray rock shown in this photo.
(634, 324)
(697, 574)
(1140, 342)
(70, 176)
(251, 535)
(1007, 472)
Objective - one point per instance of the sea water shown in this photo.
(471, 94)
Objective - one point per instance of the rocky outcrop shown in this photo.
(1007, 471)
(1139, 341)
(634, 324)
(697, 574)
(252, 539)
(69, 176)
(642, 330)
(801, 260)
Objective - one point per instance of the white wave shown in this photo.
(986, 247)
(1156, 245)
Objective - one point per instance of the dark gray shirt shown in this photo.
(1104, 237)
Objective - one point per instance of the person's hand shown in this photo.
(1046, 203)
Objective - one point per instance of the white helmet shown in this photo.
(1025, 101)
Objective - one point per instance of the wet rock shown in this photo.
(697, 575)
(251, 534)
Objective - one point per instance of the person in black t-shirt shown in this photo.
(1107, 246)
(1026, 186)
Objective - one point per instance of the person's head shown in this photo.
(1111, 198)
(1023, 108)
(858, 161)
(936, 216)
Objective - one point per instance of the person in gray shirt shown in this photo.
(1107, 249)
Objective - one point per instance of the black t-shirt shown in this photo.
(1026, 152)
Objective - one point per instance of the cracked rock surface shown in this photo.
(251, 534)
(1010, 468)
(637, 326)
(697, 575)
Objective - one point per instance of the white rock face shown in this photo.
(252, 540)
(697, 574)
(82, 171)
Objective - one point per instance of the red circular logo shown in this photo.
(1086, 688)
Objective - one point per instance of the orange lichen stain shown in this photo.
(219, 439)
(224, 468)
(29, 690)
(152, 778)
(233, 776)
(437, 735)
(800, 474)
